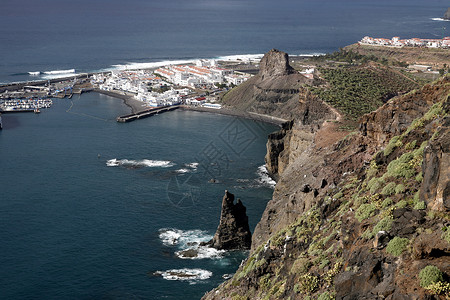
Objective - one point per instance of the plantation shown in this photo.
(357, 90)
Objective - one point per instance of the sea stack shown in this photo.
(233, 232)
(447, 14)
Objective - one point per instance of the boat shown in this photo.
(37, 111)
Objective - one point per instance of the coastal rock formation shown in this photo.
(233, 232)
(274, 90)
(447, 14)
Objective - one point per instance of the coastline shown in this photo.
(236, 113)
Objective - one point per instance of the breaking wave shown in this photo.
(139, 163)
(264, 178)
(440, 19)
(191, 275)
(34, 73)
(188, 243)
(56, 72)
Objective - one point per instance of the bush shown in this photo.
(365, 211)
(383, 225)
(375, 184)
(397, 245)
(389, 189)
(420, 205)
(387, 202)
(401, 167)
(324, 296)
(400, 188)
(430, 274)
(308, 283)
(393, 143)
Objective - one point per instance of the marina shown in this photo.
(24, 105)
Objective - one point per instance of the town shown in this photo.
(196, 85)
(413, 42)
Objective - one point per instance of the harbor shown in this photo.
(146, 113)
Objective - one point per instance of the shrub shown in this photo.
(411, 145)
(325, 296)
(365, 211)
(420, 205)
(384, 224)
(430, 274)
(397, 245)
(402, 204)
(401, 167)
(301, 266)
(387, 202)
(338, 195)
(393, 143)
(400, 188)
(389, 189)
(308, 283)
(419, 177)
(375, 184)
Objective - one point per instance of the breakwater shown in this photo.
(145, 113)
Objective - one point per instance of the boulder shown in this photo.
(233, 232)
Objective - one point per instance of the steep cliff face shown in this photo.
(365, 216)
(274, 90)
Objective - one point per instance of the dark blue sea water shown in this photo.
(77, 224)
(92, 35)
(91, 209)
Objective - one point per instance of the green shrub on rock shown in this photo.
(365, 211)
(430, 274)
(389, 189)
(325, 296)
(400, 188)
(397, 245)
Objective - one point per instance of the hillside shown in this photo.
(409, 55)
(364, 215)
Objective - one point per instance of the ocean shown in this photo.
(50, 38)
(94, 209)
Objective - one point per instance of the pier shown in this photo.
(146, 113)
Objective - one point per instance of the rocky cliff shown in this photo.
(363, 215)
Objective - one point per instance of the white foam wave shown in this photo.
(56, 72)
(139, 163)
(440, 19)
(152, 65)
(183, 238)
(188, 243)
(34, 73)
(264, 177)
(200, 252)
(185, 274)
(241, 57)
(193, 165)
(182, 171)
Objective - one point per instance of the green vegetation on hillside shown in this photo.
(357, 90)
(302, 260)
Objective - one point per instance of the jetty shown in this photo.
(146, 113)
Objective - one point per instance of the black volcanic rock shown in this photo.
(447, 14)
(233, 232)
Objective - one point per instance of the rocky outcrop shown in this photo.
(274, 90)
(275, 63)
(435, 189)
(395, 116)
(233, 232)
(447, 14)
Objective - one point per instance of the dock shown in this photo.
(146, 113)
